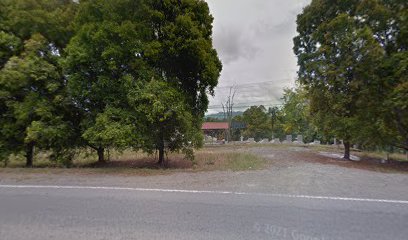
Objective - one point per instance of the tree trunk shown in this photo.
(161, 147)
(101, 155)
(161, 155)
(346, 150)
(29, 154)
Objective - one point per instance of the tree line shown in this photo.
(291, 118)
(296, 117)
(104, 74)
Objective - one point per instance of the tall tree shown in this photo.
(122, 47)
(32, 106)
(338, 44)
(103, 56)
(181, 50)
(389, 20)
(257, 123)
(31, 90)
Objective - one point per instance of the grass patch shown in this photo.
(399, 157)
(138, 163)
(244, 161)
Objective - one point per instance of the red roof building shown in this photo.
(214, 126)
(216, 130)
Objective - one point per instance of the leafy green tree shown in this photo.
(392, 31)
(294, 115)
(50, 18)
(30, 87)
(147, 45)
(180, 48)
(293, 112)
(166, 121)
(113, 128)
(338, 44)
(257, 122)
(32, 106)
(396, 121)
(102, 57)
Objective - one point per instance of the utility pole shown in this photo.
(227, 108)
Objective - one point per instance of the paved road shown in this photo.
(78, 213)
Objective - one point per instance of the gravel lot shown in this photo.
(292, 170)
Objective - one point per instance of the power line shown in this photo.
(254, 83)
(245, 106)
(249, 103)
(244, 91)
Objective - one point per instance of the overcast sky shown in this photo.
(254, 41)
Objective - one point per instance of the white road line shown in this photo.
(208, 192)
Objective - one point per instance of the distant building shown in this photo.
(215, 129)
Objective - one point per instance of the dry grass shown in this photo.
(206, 159)
(383, 155)
(399, 157)
(373, 161)
(227, 160)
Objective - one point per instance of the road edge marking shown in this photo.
(205, 192)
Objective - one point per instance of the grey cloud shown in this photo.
(278, 29)
(254, 41)
(233, 44)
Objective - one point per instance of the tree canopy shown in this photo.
(32, 87)
(257, 123)
(104, 74)
(122, 49)
(344, 49)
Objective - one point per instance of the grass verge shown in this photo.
(129, 162)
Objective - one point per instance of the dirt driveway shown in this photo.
(291, 170)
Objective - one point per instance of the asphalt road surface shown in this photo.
(128, 213)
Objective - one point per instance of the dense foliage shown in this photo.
(292, 118)
(104, 74)
(32, 86)
(257, 123)
(353, 63)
